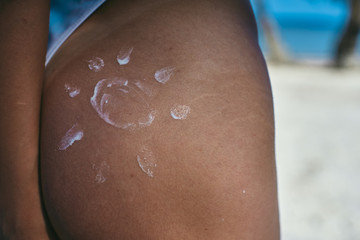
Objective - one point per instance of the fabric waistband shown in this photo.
(83, 15)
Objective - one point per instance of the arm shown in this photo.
(23, 39)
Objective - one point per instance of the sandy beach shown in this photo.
(317, 114)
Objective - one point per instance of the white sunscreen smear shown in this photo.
(180, 112)
(121, 104)
(149, 91)
(102, 172)
(123, 56)
(72, 135)
(146, 160)
(148, 120)
(163, 75)
(72, 91)
(96, 64)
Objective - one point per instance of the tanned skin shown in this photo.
(215, 176)
(23, 42)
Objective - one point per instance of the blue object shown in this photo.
(307, 28)
(65, 17)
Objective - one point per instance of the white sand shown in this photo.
(317, 113)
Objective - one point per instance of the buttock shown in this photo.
(160, 128)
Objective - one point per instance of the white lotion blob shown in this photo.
(164, 74)
(180, 112)
(72, 91)
(123, 56)
(72, 135)
(146, 160)
(96, 64)
(121, 104)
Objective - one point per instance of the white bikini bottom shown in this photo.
(82, 15)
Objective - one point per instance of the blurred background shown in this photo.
(320, 30)
(312, 49)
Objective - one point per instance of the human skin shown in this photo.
(215, 175)
(23, 40)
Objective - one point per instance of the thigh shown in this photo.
(161, 129)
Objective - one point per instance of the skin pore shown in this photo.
(169, 133)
